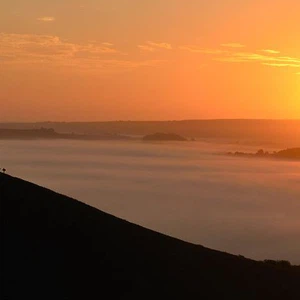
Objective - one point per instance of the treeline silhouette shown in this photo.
(292, 153)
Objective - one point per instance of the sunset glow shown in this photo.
(148, 60)
(150, 149)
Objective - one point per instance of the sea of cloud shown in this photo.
(188, 190)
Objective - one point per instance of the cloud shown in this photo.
(32, 45)
(267, 57)
(160, 45)
(46, 19)
(287, 59)
(107, 44)
(270, 51)
(196, 49)
(244, 57)
(274, 61)
(255, 57)
(34, 50)
(233, 45)
(282, 65)
(153, 46)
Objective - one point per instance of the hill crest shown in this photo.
(55, 246)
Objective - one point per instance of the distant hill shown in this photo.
(282, 133)
(291, 154)
(50, 133)
(54, 247)
(164, 137)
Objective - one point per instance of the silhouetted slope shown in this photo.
(54, 247)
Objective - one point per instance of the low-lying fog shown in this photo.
(243, 206)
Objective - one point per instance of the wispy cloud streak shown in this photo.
(154, 46)
(267, 57)
(46, 19)
(233, 45)
(196, 49)
(270, 51)
(29, 49)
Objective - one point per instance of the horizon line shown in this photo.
(149, 121)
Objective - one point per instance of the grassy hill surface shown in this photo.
(54, 247)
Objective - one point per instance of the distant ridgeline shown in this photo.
(50, 133)
(164, 137)
(275, 133)
(28, 133)
(292, 153)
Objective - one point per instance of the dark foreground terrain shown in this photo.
(54, 247)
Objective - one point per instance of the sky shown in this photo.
(98, 60)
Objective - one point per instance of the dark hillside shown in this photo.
(54, 247)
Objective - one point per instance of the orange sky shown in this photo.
(70, 60)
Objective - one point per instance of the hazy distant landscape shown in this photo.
(269, 133)
(51, 134)
(150, 149)
(242, 206)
